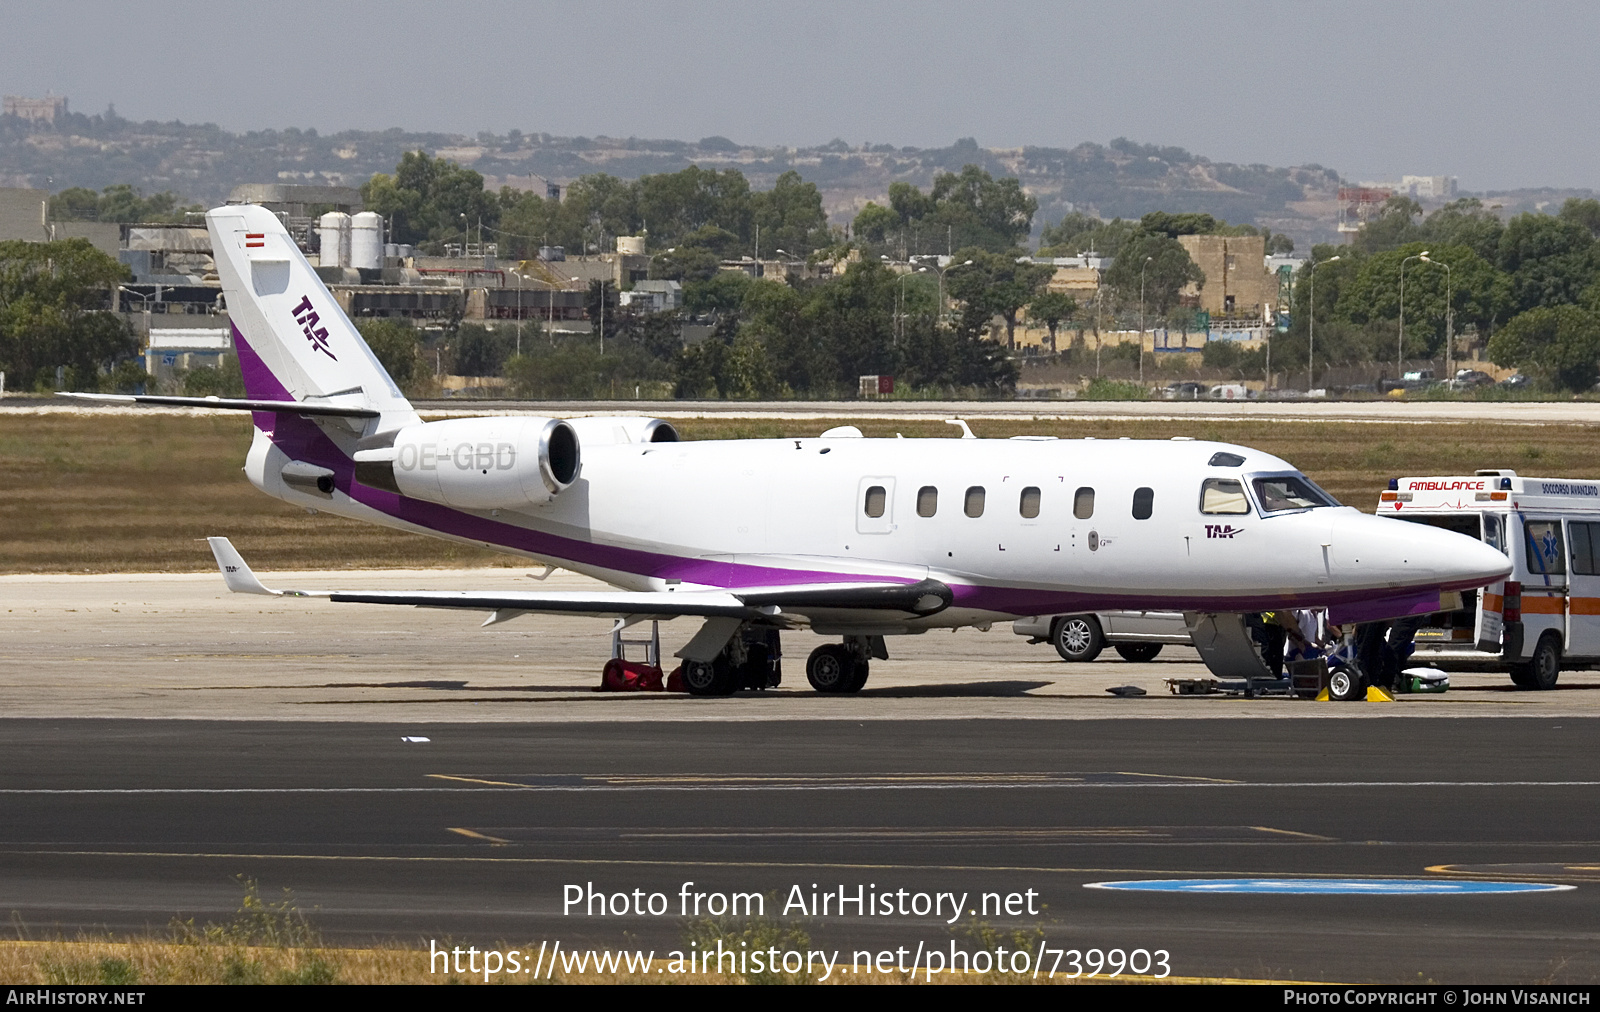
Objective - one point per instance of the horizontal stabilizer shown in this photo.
(229, 404)
(239, 577)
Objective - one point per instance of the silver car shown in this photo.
(1135, 635)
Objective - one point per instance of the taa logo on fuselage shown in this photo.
(308, 319)
(1222, 530)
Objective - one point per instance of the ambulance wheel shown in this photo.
(858, 678)
(708, 678)
(831, 668)
(1345, 684)
(1138, 652)
(1543, 668)
(1077, 638)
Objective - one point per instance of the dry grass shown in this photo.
(105, 493)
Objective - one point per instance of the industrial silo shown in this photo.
(366, 241)
(334, 230)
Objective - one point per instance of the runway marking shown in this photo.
(889, 835)
(1555, 870)
(473, 834)
(1063, 784)
(618, 862)
(1290, 832)
(1328, 887)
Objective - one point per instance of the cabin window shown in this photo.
(1143, 501)
(1545, 557)
(876, 499)
(1029, 505)
(1083, 503)
(1223, 496)
(927, 501)
(974, 504)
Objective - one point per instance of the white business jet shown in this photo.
(850, 537)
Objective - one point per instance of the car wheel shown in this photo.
(1138, 652)
(830, 668)
(1077, 638)
(1345, 684)
(1544, 667)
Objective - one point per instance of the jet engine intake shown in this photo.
(474, 463)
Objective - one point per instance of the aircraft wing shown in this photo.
(921, 598)
(230, 404)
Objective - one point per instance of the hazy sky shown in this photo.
(1500, 94)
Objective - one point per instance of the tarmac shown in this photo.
(181, 646)
(414, 778)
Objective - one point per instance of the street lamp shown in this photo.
(1311, 344)
(900, 301)
(942, 271)
(1449, 318)
(1400, 344)
(1141, 317)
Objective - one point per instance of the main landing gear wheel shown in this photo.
(858, 679)
(832, 668)
(708, 678)
(1345, 684)
(1077, 638)
(1138, 652)
(1543, 668)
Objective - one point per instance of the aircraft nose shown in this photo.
(1381, 552)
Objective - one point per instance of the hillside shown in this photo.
(203, 163)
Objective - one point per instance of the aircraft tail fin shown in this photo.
(239, 577)
(293, 340)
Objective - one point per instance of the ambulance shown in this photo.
(1545, 616)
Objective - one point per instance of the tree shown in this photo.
(52, 312)
(996, 285)
(790, 216)
(1164, 265)
(1050, 308)
(1558, 344)
(1393, 226)
(1465, 222)
(1551, 260)
(874, 223)
(970, 207)
(398, 350)
(430, 200)
(1479, 294)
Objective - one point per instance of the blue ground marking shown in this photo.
(1329, 886)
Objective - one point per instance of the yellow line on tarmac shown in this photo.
(473, 780)
(476, 835)
(1174, 776)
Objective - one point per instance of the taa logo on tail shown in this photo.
(308, 319)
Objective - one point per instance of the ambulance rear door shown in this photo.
(1491, 599)
(1583, 589)
(1544, 588)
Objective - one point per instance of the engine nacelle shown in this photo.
(474, 463)
(615, 431)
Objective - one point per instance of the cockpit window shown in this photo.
(1223, 496)
(1289, 492)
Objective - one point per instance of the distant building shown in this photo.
(654, 296)
(1237, 284)
(1420, 187)
(24, 214)
(37, 110)
(298, 200)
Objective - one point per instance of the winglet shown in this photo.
(235, 573)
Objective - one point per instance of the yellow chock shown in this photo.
(1377, 695)
(1322, 697)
